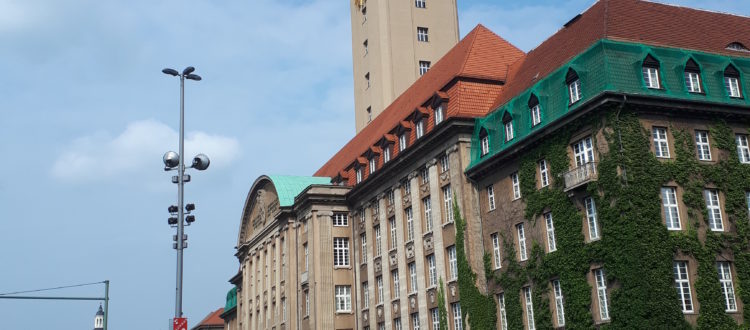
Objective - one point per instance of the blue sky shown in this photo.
(86, 115)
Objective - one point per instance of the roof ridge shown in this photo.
(474, 33)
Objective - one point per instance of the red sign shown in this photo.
(180, 323)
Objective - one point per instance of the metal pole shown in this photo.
(180, 200)
(106, 303)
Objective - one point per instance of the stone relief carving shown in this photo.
(427, 243)
(380, 311)
(413, 302)
(392, 258)
(453, 290)
(432, 296)
(395, 307)
(378, 267)
(410, 251)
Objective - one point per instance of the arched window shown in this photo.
(574, 85)
(535, 109)
(651, 72)
(484, 139)
(508, 124)
(732, 81)
(693, 77)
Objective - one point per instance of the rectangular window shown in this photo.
(509, 131)
(522, 255)
(601, 292)
(413, 287)
(402, 141)
(435, 318)
(439, 114)
(364, 45)
(575, 91)
(592, 218)
(397, 323)
(422, 34)
(283, 309)
(733, 86)
(381, 326)
(369, 114)
(516, 185)
(452, 265)
(343, 298)
(419, 127)
(409, 224)
(727, 286)
(551, 241)
(651, 77)
(367, 80)
(307, 258)
(671, 210)
(503, 314)
(340, 219)
(747, 197)
(485, 143)
(432, 270)
(363, 240)
(420, 3)
(536, 115)
(396, 284)
(386, 154)
(496, 257)
(714, 209)
(365, 295)
(359, 174)
(491, 197)
(661, 144)
(424, 66)
(427, 206)
(702, 145)
(458, 323)
(743, 151)
(307, 303)
(340, 251)
(583, 150)
(529, 303)
(445, 165)
(373, 164)
(378, 245)
(424, 173)
(693, 82)
(390, 197)
(379, 281)
(559, 307)
(543, 173)
(682, 283)
(448, 204)
(394, 234)
(415, 321)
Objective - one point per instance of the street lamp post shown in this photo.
(172, 160)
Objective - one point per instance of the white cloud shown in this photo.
(137, 150)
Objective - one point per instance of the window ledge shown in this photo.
(342, 267)
(429, 232)
(447, 223)
(344, 312)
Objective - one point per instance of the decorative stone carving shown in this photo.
(362, 226)
(444, 176)
(380, 311)
(378, 267)
(410, 250)
(395, 307)
(392, 258)
(424, 188)
(412, 175)
(427, 242)
(431, 162)
(432, 296)
(453, 290)
(451, 149)
(407, 199)
(390, 209)
(413, 302)
(365, 315)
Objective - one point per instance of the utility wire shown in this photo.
(48, 289)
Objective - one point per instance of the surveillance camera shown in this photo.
(201, 162)
(171, 159)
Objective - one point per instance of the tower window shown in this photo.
(364, 45)
(424, 66)
(367, 80)
(422, 34)
(420, 3)
(369, 114)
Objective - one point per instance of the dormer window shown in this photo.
(732, 81)
(484, 139)
(651, 72)
(373, 164)
(536, 111)
(386, 153)
(402, 141)
(508, 123)
(358, 171)
(574, 86)
(439, 114)
(736, 46)
(419, 128)
(692, 77)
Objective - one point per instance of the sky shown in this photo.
(86, 115)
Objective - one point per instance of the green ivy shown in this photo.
(442, 310)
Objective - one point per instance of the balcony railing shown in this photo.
(580, 175)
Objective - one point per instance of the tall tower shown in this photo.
(99, 319)
(394, 42)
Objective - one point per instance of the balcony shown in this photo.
(580, 175)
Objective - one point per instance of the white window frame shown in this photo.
(452, 265)
(445, 165)
(601, 292)
(386, 154)
(390, 196)
(551, 240)
(365, 295)
(661, 141)
(496, 256)
(574, 90)
(307, 303)
(485, 144)
(439, 114)
(516, 185)
(363, 240)
(394, 232)
(747, 197)
(559, 306)
(340, 219)
(727, 285)
(379, 281)
(670, 207)
(743, 151)
(307, 257)
(503, 314)
(424, 66)
(732, 85)
(583, 150)
(373, 164)
(378, 241)
(491, 197)
(402, 141)
(536, 115)
(713, 206)
(521, 235)
(409, 224)
(397, 324)
(448, 204)
(419, 127)
(427, 206)
(413, 286)
(432, 270)
(423, 34)
(340, 252)
(435, 316)
(415, 321)
(543, 173)
(358, 172)
(529, 303)
(592, 218)
(509, 135)
(420, 3)
(458, 323)
(396, 284)
(693, 82)
(343, 298)
(682, 283)
(702, 145)
(651, 77)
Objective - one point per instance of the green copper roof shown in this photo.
(609, 66)
(231, 299)
(288, 187)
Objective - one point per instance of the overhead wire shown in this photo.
(49, 289)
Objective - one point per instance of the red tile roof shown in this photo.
(480, 55)
(213, 319)
(628, 20)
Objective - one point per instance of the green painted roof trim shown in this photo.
(231, 299)
(610, 66)
(288, 187)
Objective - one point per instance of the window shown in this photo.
(381, 326)
(516, 186)
(343, 298)
(551, 242)
(583, 150)
(390, 197)
(601, 292)
(364, 45)
(591, 217)
(503, 314)
(424, 66)
(702, 145)
(714, 210)
(671, 210)
(426, 205)
(424, 174)
(402, 141)
(363, 240)
(420, 3)
(529, 308)
(439, 114)
(415, 321)
(387, 153)
(452, 266)
(682, 283)
(367, 80)
(536, 111)
(369, 114)
(737, 46)
(340, 219)
(397, 323)
(743, 152)
(496, 257)
(458, 323)
(448, 204)
(445, 165)
(661, 144)
(409, 224)
(340, 251)
(396, 284)
(358, 172)
(365, 295)
(543, 173)
(435, 318)
(521, 242)
(574, 86)
(307, 257)
(413, 287)
(484, 139)
(422, 34)
(394, 236)
(432, 270)
(373, 164)
(732, 81)
(491, 197)
(379, 281)
(509, 130)
(419, 128)
(727, 287)
(651, 72)
(378, 246)
(559, 307)
(364, 14)
(692, 77)
(307, 303)
(747, 197)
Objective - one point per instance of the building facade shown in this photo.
(395, 42)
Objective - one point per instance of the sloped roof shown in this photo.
(628, 20)
(480, 55)
(213, 319)
(288, 187)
